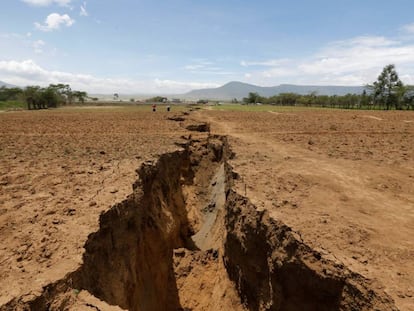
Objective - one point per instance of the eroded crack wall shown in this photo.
(274, 270)
(184, 240)
(128, 262)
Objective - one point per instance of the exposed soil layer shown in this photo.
(275, 270)
(343, 180)
(318, 216)
(59, 170)
(185, 240)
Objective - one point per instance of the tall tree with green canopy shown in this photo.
(80, 96)
(387, 88)
(32, 96)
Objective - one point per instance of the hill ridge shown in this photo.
(238, 90)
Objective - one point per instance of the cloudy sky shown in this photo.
(173, 46)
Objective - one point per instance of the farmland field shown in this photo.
(343, 181)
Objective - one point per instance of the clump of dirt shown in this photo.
(184, 240)
(200, 127)
(176, 118)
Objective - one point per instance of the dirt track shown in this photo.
(343, 180)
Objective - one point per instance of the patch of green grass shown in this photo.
(12, 104)
(258, 108)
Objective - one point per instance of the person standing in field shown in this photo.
(168, 108)
(154, 107)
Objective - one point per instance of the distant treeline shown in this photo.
(37, 97)
(349, 101)
(388, 92)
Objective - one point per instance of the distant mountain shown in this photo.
(239, 90)
(6, 84)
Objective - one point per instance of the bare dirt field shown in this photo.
(297, 210)
(343, 179)
(58, 172)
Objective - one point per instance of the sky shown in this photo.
(174, 46)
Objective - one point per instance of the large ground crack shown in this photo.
(184, 240)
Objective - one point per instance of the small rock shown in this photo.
(70, 211)
(179, 252)
(47, 254)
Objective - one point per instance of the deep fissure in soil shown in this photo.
(184, 240)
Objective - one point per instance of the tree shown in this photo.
(32, 96)
(63, 92)
(364, 100)
(51, 96)
(253, 98)
(157, 99)
(80, 96)
(387, 90)
(10, 93)
(407, 100)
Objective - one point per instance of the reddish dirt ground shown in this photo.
(59, 170)
(344, 180)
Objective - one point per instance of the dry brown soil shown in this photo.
(343, 180)
(59, 170)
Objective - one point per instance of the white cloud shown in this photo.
(193, 67)
(21, 46)
(47, 2)
(29, 72)
(356, 61)
(372, 41)
(38, 46)
(54, 21)
(409, 28)
(267, 63)
(83, 11)
(198, 65)
(178, 86)
(359, 54)
(202, 66)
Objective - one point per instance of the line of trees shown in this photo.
(37, 97)
(157, 99)
(387, 92)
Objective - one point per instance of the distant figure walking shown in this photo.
(154, 107)
(168, 108)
